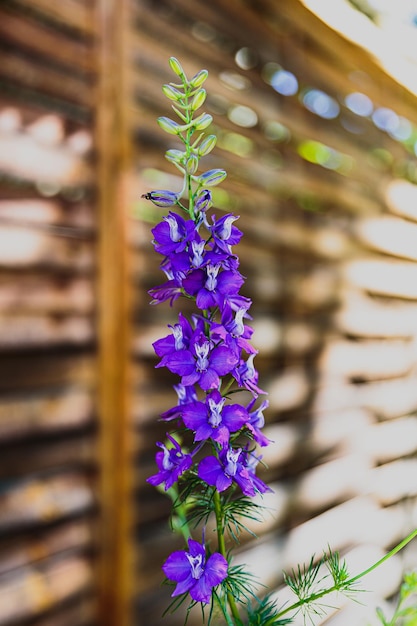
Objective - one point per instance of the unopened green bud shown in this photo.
(202, 121)
(198, 79)
(207, 145)
(176, 67)
(172, 93)
(169, 126)
(211, 178)
(174, 156)
(198, 99)
(192, 164)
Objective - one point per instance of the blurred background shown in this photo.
(315, 109)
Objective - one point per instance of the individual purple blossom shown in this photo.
(171, 463)
(179, 339)
(251, 463)
(247, 376)
(186, 395)
(195, 574)
(170, 290)
(220, 472)
(201, 363)
(173, 234)
(224, 233)
(212, 419)
(234, 332)
(211, 286)
(257, 421)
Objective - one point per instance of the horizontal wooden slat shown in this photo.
(48, 294)
(43, 77)
(37, 37)
(37, 589)
(29, 331)
(37, 370)
(74, 535)
(53, 412)
(70, 14)
(38, 501)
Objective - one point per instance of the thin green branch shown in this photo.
(341, 586)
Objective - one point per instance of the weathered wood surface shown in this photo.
(328, 211)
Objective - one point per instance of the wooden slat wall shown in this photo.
(329, 255)
(48, 333)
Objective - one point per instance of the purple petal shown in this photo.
(234, 417)
(209, 380)
(177, 566)
(194, 415)
(180, 362)
(223, 360)
(194, 282)
(211, 471)
(216, 569)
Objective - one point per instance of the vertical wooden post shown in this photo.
(115, 572)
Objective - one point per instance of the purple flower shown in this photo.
(224, 233)
(257, 421)
(171, 464)
(233, 331)
(212, 286)
(201, 364)
(186, 395)
(178, 340)
(173, 234)
(195, 574)
(247, 376)
(230, 466)
(169, 290)
(211, 419)
(251, 463)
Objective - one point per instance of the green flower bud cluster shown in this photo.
(187, 97)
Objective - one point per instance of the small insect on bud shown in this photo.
(176, 67)
(207, 145)
(172, 93)
(161, 197)
(211, 178)
(201, 122)
(169, 126)
(198, 99)
(198, 79)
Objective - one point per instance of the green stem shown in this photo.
(342, 586)
(387, 556)
(218, 509)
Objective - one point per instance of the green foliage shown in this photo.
(265, 612)
(405, 613)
